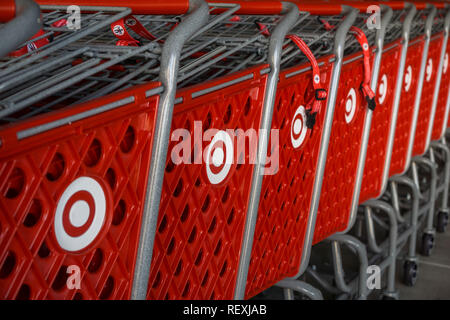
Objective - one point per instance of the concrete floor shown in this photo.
(433, 281)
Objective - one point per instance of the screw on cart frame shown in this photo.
(275, 49)
(25, 25)
(168, 77)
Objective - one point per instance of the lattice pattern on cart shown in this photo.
(382, 118)
(343, 152)
(71, 199)
(429, 83)
(439, 117)
(406, 107)
(204, 203)
(345, 142)
(286, 196)
(70, 67)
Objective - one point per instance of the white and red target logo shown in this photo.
(219, 157)
(408, 78)
(429, 70)
(118, 30)
(350, 106)
(298, 127)
(382, 89)
(81, 213)
(445, 63)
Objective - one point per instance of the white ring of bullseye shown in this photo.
(350, 105)
(408, 78)
(118, 30)
(79, 213)
(429, 70)
(217, 157)
(445, 62)
(298, 127)
(382, 89)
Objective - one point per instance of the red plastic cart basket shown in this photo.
(286, 217)
(424, 120)
(204, 203)
(385, 118)
(75, 178)
(442, 107)
(347, 147)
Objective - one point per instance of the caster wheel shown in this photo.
(427, 244)
(410, 273)
(442, 221)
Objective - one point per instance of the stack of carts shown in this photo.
(214, 149)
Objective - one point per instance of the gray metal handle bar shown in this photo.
(25, 25)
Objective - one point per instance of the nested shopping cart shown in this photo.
(408, 110)
(76, 157)
(442, 104)
(351, 126)
(288, 200)
(427, 109)
(206, 198)
(388, 93)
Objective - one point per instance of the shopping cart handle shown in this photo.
(25, 22)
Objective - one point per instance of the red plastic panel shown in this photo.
(343, 152)
(286, 196)
(79, 187)
(442, 99)
(406, 107)
(7, 10)
(381, 124)
(201, 224)
(426, 99)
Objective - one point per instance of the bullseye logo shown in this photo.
(382, 89)
(219, 157)
(429, 70)
(445, 63)
(298, 127)
(80, 214)
(118, 30)
(350, 106)
(408, 78)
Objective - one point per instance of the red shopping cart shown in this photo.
(76, 157)
(347, 146)
(385, 118)
(425, 120)
(442, 107)
(404, 132)
(204, 204)
(284, 229)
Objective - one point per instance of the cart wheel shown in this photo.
(442, 221)
(410, 273)
(388, 297)
(427, 244)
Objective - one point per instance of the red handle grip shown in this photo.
(7, 10)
